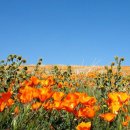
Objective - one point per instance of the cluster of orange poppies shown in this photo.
(5, 100)
(117, 102)
(80, 104)
(40, 93)
(60, 101)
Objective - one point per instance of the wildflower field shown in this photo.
(57, 99)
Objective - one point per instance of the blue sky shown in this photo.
(70, 32)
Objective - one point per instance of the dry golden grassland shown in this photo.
(80, 69)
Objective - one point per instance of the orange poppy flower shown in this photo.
(70, 102)
(84, 126)
(4, 100)
(81, 95)
(49, 81)
(36, 106)
(26, 94)
(44, 82)
(116, 100)
(108, 116)
(57, 96)
(35, 93)
(10, 102)
(113, 96)
(123, 97)
(115, 107)
(45, 93)
(68, 106)
(86, 100)
(128, 118)
(16, 110)
(35, 80)
(56, 105)
(86, 112)
(118, 96)
(72, 97)
(126, 122)
(48, 105)
(5, 96)
(2, 106)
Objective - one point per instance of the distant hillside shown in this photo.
(79, 69)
